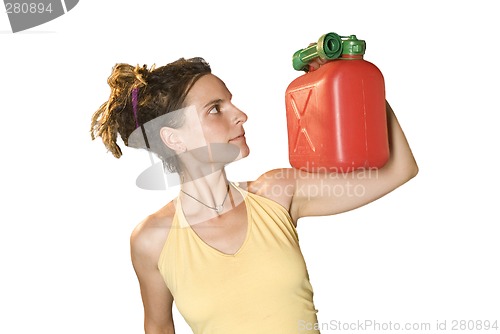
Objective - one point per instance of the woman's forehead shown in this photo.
(207, 88)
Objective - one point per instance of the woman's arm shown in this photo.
(328, 194)
(156, 297)
(312, 194)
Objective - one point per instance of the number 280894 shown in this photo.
(27, 8)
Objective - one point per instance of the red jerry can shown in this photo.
(336, 115)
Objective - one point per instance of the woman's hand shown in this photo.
(317, 63)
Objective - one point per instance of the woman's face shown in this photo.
(213, 125)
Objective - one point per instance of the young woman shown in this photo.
(226, 252)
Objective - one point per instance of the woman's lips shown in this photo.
(242, 136)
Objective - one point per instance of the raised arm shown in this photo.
(311, 194)
(156, 297)
(328, 194)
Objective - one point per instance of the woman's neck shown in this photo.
(207, 196)
(205, 184)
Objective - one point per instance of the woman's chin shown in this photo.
(244, 152)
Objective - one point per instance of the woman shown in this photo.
(227, 253)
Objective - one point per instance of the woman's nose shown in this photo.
(240, 116)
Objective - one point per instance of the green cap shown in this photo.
(353, 46)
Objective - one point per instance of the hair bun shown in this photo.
(142, 73)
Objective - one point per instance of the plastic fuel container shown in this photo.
(336, 115)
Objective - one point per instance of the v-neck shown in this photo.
(185, 224)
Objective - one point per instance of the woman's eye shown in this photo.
(215, 109)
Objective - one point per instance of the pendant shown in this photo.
(219, 208)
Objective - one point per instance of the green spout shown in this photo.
(329, 46)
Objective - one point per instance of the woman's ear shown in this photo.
(172, 140)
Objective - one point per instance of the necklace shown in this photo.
(217, 208)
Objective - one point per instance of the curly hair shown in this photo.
(160, 91)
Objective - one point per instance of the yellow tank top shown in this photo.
(263, 288)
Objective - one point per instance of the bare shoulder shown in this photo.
(277, 185)
(149, 236)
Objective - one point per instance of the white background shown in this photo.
(427, 252)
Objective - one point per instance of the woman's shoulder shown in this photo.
(149, 236)
(276, 184)
(273, 181)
